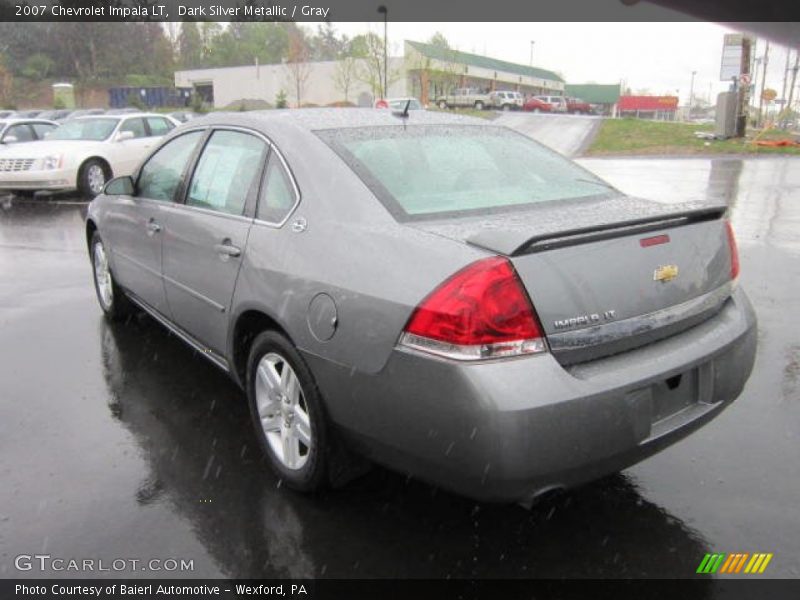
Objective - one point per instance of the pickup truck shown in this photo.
(465, 98)
(578, 106)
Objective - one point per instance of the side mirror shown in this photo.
(10, 139)
(119, 186)
(125, 135)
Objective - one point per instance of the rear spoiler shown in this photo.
(515, 243)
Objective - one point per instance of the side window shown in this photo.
(227, 171)
(278, 196)
(161, 174)
(136, 126)
(23, 133)
(42, 128)
(158, 125)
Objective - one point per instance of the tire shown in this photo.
(92, 177)
(442, 104)
(113, 301)
(287, 412)
(479, 105)
(24, 193)
(506, 107)
(536, 111)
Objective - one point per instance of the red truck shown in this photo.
(578, 107)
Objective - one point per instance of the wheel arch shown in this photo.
(247, 325)
(100, 159)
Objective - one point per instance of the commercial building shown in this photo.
(659, 108)
(603, 97)
(424, 71)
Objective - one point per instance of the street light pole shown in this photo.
(691, 93)
(385, 12)
(531, 62)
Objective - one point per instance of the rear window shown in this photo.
(425, 172)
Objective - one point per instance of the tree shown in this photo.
(297, 64)
(438, 40)
(345, 75)
(369, 47)
(190, 46)
(326, 45)
(38, 66)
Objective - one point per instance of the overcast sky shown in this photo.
(659, 57)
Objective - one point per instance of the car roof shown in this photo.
(316, 119)
(118, 116)
(17, 120)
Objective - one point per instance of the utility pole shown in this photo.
(532, 43)
(795, 68)
(691, 94)
(385, 12)
(763, 82)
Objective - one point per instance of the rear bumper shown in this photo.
(60, 179)
(507, 430)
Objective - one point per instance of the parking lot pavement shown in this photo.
(568, 134)
(120, 442)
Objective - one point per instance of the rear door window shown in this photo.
(228, 172)
(136, 126)
(159, 126)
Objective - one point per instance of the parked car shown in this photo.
(14, 131)
(122, 111)
(534, 104)
(496, 319)
(7, 114)
(86, 112)
(82, 153)
(56, 115)
(183, 116)
(557, 103)
(578, 107)
(465, 98)
(505, 100)
(399, 103)
(29, 114)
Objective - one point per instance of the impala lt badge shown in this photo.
(665, 273)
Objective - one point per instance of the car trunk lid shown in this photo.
(609, 275)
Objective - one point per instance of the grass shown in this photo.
(637, 136)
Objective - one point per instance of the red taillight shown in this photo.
(734, 251)
(480, 312)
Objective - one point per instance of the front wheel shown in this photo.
(286, 408)
(442, 104)
(92, 178)
(112, 299)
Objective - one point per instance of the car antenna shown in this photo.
(404, 113)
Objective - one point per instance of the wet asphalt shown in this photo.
(117, 441)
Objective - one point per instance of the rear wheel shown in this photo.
(506, 107)
(286, 408)
(479, 105)
(92, 177)
(112, 299)
(442, 104)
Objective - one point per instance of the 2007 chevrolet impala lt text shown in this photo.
(440, 295)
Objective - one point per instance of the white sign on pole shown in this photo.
(731, 56)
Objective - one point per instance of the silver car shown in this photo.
(440, 295)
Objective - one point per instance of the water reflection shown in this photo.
(193, 429)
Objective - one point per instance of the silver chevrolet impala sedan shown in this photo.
(432, 293)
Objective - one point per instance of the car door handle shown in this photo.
(153, 227)
(227, 249)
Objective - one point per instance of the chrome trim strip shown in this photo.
(178, 206)
(212, 356)
(569, 342)
(216, 305)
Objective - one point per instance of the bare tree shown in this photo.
(297, 65)
(344, 75)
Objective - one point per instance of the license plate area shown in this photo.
(674, 394)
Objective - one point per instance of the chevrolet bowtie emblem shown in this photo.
(665, 273)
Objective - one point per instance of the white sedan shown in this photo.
(83, 153)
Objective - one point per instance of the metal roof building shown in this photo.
(434, 70)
